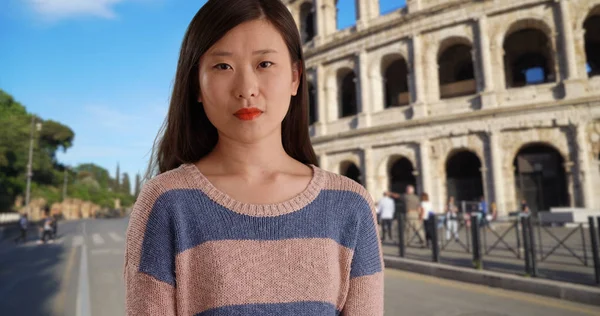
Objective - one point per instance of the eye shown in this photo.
(222, 66)
(265, 64)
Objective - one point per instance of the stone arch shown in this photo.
(308, 22)
(401, 172)
(456, 68)
(394, 71)
(591, 25)
(540, 176)
(347, 92)
(464, 178)
(529, 54)
(351, 170)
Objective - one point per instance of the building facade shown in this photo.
(463, 98)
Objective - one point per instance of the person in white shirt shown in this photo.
(385, 210)
(426, 213)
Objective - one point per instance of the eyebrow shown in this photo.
(256, 52)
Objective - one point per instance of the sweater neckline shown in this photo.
(297, 202)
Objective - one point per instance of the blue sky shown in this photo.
(105, 68)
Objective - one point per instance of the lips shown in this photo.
(247, 114)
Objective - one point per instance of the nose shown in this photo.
(246, 85)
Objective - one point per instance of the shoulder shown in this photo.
(155, 188)
(335, 182)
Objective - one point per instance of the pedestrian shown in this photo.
(452, 220)
(54, 225)
(427, 214)
(386, 209)
(46, 227)
(413, 217)
(23, 225)
(240, 220)
(482, 208)
(524, 207)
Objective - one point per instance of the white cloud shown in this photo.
(60, 9)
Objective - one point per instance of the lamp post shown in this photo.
(65, 184)
(34, 126)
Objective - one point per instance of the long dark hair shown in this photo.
(186, 134)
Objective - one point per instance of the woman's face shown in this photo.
(246, 82)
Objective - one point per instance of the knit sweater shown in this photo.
(193, 250)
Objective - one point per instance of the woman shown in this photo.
(240, 220)
(426, 213)
(451, 220)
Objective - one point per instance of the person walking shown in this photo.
(413, 216)
(386, 209)
(23, 225)
(451, 220)
(427, 214)
(46, 228)
(482, 208)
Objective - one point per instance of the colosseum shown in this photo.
(463, 98)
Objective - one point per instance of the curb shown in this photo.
(556, 289)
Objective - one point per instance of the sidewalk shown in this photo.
(562, 290)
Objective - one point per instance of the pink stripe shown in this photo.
(148, 296)
(365, 297)
(232, 272)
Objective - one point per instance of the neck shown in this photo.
(259, 158)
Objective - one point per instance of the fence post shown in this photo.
(595, 250)
(401, 227)
(534, 271)
(526, 251)
(477, 263)
(435, 251)
(518, 238)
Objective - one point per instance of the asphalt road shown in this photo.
(81, 275)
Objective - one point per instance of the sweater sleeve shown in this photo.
(365, 294)
(149, 257)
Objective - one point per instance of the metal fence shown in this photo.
(523, 239)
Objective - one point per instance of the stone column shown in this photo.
(322, 119)
(497, 176)
(413, 5)
(425, 165)
(295, 11)
(417, 71)
(568, 42)
(569, 170)
(367, 10)
(369, 171)
(488, 95)
(583, 157)
(364, 93)
(376, 87)
(325, 11)
(573, 85)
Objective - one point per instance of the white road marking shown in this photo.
(115, 237)
(83, 293)
(77, 241)
(98, 240)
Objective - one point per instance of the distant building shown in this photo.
(494, 98)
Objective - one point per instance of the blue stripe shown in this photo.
(193, 219)
(296, 309)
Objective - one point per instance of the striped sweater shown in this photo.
(193, 250)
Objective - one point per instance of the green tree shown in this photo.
(126, 186)
(138, 183)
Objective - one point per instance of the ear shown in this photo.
(296, 75)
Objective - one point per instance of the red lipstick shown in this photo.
(248, 114)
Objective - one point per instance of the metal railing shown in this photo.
(522, 237)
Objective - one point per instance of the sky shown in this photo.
(105, 68)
